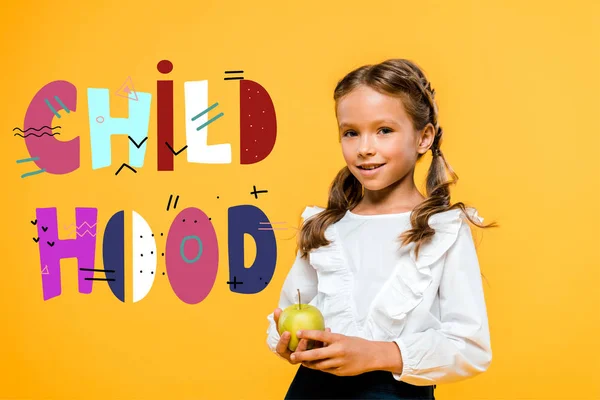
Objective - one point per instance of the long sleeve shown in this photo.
(301, 276)
(461, 348)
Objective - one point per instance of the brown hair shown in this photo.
(405, 80)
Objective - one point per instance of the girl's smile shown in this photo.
(368, 170)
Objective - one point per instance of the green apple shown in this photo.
(300, 317)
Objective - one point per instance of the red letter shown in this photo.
(164, 119)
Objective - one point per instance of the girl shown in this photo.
(395, 274)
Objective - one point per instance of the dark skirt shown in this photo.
(314, 384)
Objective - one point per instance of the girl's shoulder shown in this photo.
(309, 211)
(449, 226)
(454, 216)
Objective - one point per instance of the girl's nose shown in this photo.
(366, 146)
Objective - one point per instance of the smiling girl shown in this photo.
(394, 272)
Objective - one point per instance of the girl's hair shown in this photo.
(405, 80)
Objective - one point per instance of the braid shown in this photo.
(429, 95)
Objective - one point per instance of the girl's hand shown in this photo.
(282, 346)
(342, 355)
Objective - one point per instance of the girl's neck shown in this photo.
(391, 200)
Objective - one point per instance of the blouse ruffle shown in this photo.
(401, 293)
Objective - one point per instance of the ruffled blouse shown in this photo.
(367, 285)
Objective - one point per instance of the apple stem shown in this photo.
(299, 302)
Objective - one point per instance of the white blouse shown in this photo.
(367, 285)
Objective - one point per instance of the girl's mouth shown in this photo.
(371, 167)
(370, 170)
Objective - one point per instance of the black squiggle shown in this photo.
(29, 134)
(37, 130)
(125, 165)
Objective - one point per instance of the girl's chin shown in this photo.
(374, 188)
(373, 185)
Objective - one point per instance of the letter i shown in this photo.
(164, 120)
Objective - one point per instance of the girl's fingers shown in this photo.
(302, 345)
(284, 341)
(282, 345)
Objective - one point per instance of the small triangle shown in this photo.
(126, 90)
(45, 271)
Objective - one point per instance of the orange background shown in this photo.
(517, 86)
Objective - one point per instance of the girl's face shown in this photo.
(375, 131)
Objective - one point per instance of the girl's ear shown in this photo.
(426, 137)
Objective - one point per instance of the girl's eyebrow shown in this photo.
(378, 122)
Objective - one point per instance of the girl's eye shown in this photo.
(384, 130)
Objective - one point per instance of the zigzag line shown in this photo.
(91, 234)
(80, 234)
(79, 227)
(83, 234)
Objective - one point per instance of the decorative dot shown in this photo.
(263, 111)
(141, 236)
(249, 97)
(152, 272)
(250, 126)
(257, 91)
(151, 252)
(262, 127)
(266, 283)
(248, 89)
(163, 273)
(261, 278)
(163, 254)
(153, 235)
(248, 114)
(210, 219)
(140, 271)
(100, 119)
(217, 197)
(164, 66)
(161, 234)
(247, 149)
(142, 255)
(254, 140)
